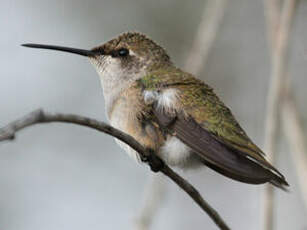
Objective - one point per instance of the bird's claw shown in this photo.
(155, 163)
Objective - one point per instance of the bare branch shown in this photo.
(290, 115)
(293, 130)
(154, 195)
(205, 35)
(272, 15)
(39, 116)
(279, 55)
(279, 34)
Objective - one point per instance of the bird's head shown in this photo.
(126, 57)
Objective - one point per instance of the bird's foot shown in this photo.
(155, 163)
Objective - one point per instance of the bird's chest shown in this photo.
(124, 116)
(125, 112)
(123, 119)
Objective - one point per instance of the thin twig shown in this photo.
(293, 130)
(205, 35)
(154, 194)
(272, 15)
(39, 116)
(279, 55)
(290, 114)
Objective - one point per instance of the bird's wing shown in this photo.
(190, 110)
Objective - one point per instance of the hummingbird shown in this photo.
(171, 112)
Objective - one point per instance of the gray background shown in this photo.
(66, 177)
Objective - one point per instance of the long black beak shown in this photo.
(87, 53)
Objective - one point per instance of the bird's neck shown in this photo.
(113, 87)
(115, 82)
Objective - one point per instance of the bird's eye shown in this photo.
(123, 52)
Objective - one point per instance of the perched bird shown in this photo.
(171, 112)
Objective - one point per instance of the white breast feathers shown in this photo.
(174, 152)
(166, 98)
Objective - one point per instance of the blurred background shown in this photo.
(64, 177)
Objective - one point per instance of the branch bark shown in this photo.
(39, 117)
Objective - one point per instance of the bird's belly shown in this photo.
(175, 153)
(171, 150)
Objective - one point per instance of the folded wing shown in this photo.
(207, 126)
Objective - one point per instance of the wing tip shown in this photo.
(280, 182)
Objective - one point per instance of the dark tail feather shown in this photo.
(251, 173)
(222, 158)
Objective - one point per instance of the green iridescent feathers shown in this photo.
(200, 102)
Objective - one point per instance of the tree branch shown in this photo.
(39, 116)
